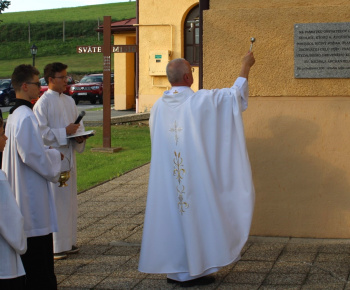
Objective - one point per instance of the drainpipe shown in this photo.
(137, 58)
(203, 5)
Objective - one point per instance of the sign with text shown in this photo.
(322, 50)
(114, 49)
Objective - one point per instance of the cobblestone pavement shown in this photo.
(109, 235)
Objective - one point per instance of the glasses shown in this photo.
(62, 77)
(36, 83)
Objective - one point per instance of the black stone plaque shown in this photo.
(322, 50)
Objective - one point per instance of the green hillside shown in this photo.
(118, 11)
(46, 31)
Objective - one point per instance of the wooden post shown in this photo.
(107, 81)
(203, 5)
(28, 31)
(107, 50)
(98, 25)
(64, 31)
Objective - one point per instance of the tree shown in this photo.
(4, 5)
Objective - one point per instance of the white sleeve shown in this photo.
(31, 149)
(241, 91)
(52, 136)
(11, 219)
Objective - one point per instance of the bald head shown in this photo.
(179, 72)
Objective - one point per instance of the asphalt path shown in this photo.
(94, 115)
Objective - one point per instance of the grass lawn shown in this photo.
(94, 167)
(5, 115)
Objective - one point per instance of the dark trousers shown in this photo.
(38, 263)
(13, 284)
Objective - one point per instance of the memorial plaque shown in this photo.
(322, 50)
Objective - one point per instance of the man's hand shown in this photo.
(247, 62)
(81, 139)
(72, 128)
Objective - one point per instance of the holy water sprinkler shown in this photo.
(252, 40)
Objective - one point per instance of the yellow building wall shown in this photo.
(124, 73)
(161, 28)
(297, 130)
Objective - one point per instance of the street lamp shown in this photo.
(33, 51)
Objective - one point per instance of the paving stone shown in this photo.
(67, 269)
(279, 287)
(110, 225)
(285, 279)
(253, 266)
(229, 286)
(123, 251)
(302, 248)
(82, 281)
(267, 247)
(129, 273)
(290, 267)
(137, 219)
(265, 240)
(94, 249)
(98, 213)
(327, 257)
(270, 255)
(84, 222)
(104, 265)
(154, 284)
(335, 249)
(297, 257)
(135, 238)
(338, 269)
(323, 278)
(327, 286)
(245, 278)
(119, 283)
(73, 288)
(223, 272)
(60, 278)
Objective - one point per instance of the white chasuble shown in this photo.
(55, 112)
(13, 241)
(29, 167)
(200, 195)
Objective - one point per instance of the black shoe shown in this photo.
(73, 250)
(205, 280)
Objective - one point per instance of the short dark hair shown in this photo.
(22, 74)
(52, 68)
(1, 122)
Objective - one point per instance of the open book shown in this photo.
(85, 133)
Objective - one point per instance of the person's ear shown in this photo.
(24, 86)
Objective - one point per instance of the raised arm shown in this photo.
(247, 62)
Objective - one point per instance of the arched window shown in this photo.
(191, 35)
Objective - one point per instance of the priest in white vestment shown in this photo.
(30, 166)
(13, 241)
(56, 114)
(200, 195)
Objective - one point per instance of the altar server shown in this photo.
(29, 167)
(56, 114)
(200, 195)
(13, 241)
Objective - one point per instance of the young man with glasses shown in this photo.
(56, 114)
(30, 166)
